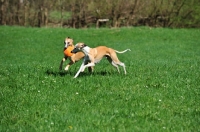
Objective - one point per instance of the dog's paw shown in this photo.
(83, 69)
(66, 68)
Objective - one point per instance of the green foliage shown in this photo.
(159, 93)
(82, 14)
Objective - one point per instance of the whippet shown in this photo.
(94, 55)
(73, 57)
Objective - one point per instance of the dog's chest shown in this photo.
(86, 50)
(87, 58)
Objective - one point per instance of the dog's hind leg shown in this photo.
(123, 65)
(116, 61)
(115, 65)
(112, 62)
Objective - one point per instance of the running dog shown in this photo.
(73, 57)
(94, 55)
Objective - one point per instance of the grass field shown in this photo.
(161, 91)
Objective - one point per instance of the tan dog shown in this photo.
(73, 57)
(94, 55)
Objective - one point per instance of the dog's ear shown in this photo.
(84, 45)
(68, 37)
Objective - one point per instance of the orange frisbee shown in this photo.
(67, 51)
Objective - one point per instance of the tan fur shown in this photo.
(74, 58)
(94, 55)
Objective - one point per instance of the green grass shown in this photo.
(161, 91)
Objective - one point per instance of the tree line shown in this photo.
(100, 13)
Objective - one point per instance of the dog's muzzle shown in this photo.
(66, 44)
(75, 50)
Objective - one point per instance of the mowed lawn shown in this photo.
(161, 91)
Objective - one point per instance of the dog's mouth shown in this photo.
(75, 50)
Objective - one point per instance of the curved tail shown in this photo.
(122, 51)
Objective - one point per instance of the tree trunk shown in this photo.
(39, 17)
(45, 17)
(2, 12)
(25, 15)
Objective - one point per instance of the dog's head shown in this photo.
(68, 42)
(78, 47)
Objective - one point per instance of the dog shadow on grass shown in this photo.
(63, 73)
(58, 73)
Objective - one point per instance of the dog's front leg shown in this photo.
(70, 63)
(83, 68)
(88, 65)
(61, 63)
(82, 65)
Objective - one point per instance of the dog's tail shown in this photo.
(122, 51)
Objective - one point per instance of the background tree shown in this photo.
(85, 13)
